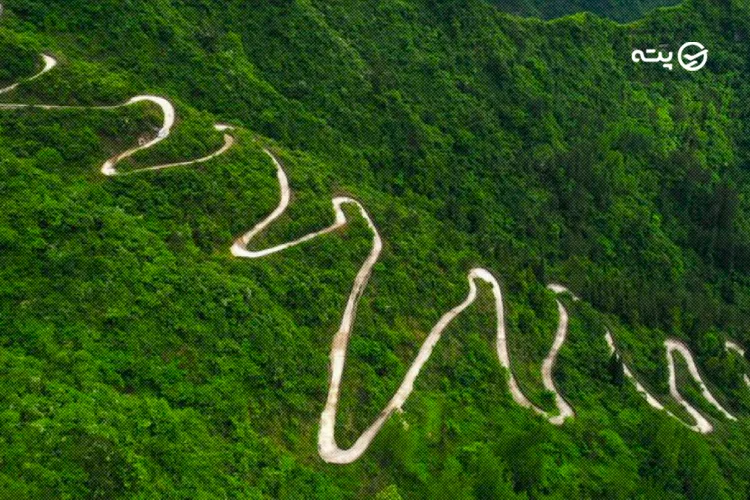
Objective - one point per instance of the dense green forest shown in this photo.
(138, 359)
(619, 10)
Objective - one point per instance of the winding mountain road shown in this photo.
(168, 113)
(629, 374)
(49, 63)
(548, 365)
(702, 424)
(327, 446)
(733, 346)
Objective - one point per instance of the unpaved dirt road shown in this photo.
(672, 346)
(327, 446)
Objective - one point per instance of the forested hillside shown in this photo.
(140, 359)
(619, 10)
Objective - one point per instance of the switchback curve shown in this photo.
(702, 424)
(49, 63)
(168, 114)
(733, 346)
(329, 451)
(327, 446)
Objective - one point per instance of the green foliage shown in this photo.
(139, 360)
(19, 59)
(617, 370)
(620, 10)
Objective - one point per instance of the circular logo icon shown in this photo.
(692, 56)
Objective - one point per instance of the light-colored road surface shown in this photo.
(702, 424)
(168, 113)
(169, 116)
(109, 166)
(228, 143)
(558, 289)
(629, 374)
(563, 408)
(327, 446)
(673, 346)
(49, 63)
(733, 346)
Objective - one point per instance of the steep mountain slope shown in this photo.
(619, 10)
(140, 359)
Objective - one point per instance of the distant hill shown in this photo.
(619, 10)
